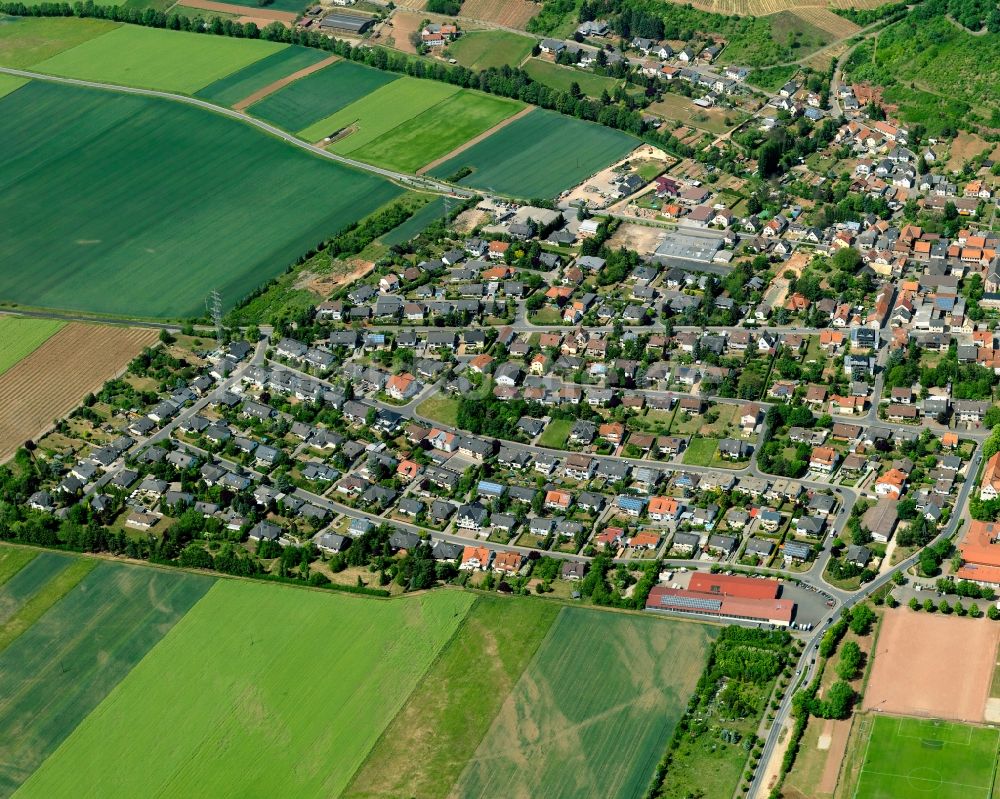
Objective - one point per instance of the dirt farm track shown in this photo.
(932, 665)
(54, 378)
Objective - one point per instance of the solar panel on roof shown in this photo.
(691, 602)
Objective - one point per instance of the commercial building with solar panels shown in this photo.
(726, 596)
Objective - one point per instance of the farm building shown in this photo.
(351, 23)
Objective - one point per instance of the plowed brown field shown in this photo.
(508, 13)
(54, 378)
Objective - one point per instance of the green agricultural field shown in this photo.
(379, 112)
(485, 49)
(158, 59)
(10, 83)
(316, 96)
(425, 748)
(416, 224)
(539, 155)
(921, 757)
(569, 731)
(26, 582)
(261, 690)
(12, 560)
(24, 41)
(437, 131)
(57, 671)
(561, 78)
(190, 207)
(241, 84)
(20, 336)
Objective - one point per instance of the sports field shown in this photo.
(63, 665)
(485, 49)
(379, 112)
(594, 710)
(319, 95)
(152, 58)
(909, 757)
(244, 82)
(24, 41)
(437, 131)
(539, 155)
(260, 690)
(191, 205)
(20, 336)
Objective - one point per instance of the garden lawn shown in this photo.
(441, 409)
(594, 710)
(153, 58)
(379, 112)
(922, 757)
(700, 451)
(20, 336)
(435, 132)
(485, 49)
(302, 102)
(425, 748)
(235, 87)
(262, 690)
(158, 232)
(556, 434)
(539, 155)
(24, 41)
(61, 667)
(561, 78)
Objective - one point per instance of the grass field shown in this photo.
(260, 690)
(156, 234)
(153, 58)
(20, 336)
(561, 78)
(530, 157)
(416, 224)
(556, 434)
(435, 732)
(317, 96)
(441, 409)
(17, 591)
(922, 757)
(244, 82)
(435, 132)
(24, 41)
(570, 731)
(485, 49)
(700, 451)
(681, 108)
(379, 112)
(63, 665)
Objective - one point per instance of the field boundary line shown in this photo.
(281, 83)
(475, 140)
(864, 758)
